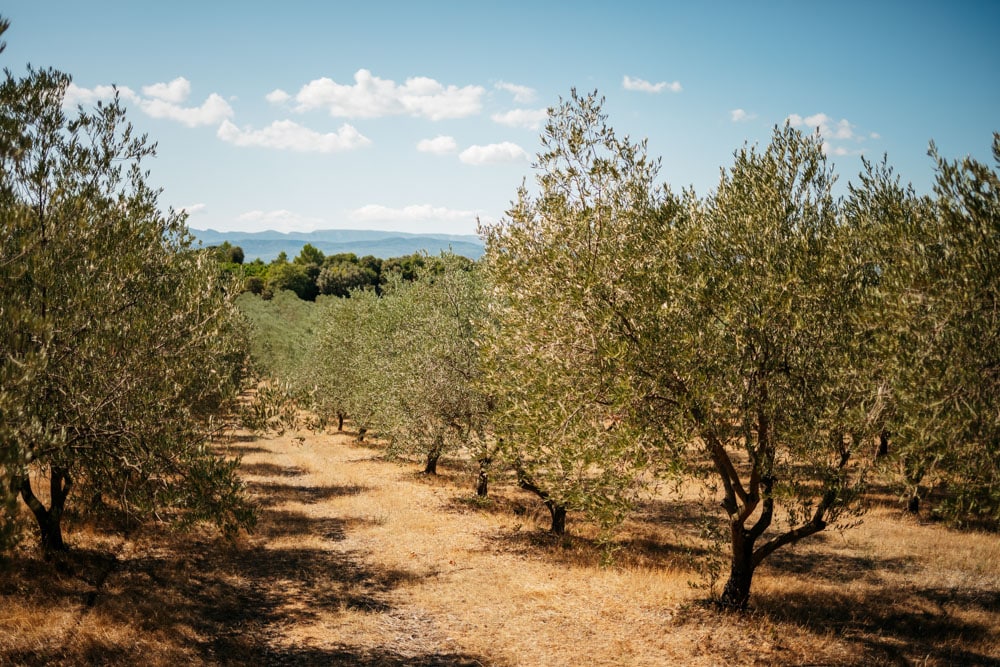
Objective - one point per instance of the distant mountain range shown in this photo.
(268, 245)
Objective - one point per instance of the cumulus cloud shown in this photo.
(439, 145)
(373, 97)
(213, 110)
(193, 209)
(825, 125)
(289, 135)
(175, 92)
(643, 86)
(493, 153)
(277, 96)
(740, 115)
(522, 94)
(159, 100)
(832, 130)
(530, 118)
(413, 213)
(75, 95)
(280, 220)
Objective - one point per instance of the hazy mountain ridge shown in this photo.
(269, 244)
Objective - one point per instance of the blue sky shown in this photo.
(420, 116)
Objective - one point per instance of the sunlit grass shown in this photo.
(359, 560)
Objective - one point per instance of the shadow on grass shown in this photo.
(269, 494)
(832, 567)
(198, 599)
(271, 470)
(922, 626)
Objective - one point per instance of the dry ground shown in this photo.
(360, 561)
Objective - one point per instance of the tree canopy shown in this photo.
(121, 346)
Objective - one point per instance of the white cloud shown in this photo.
(493, 153)
(280, 220)
(373, 97)
(75, 95)
(213, 110)
(277, 96)
(530, 118)
(643, 86)
(439, 145)
(175, 92)
(831, 130)
(289, 135)
(413, 213)
(739, 115)
(193, 209)
(162, 100)
(824, 124)
(522, 94)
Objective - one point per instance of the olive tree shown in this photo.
(737, 332)
(405, 363)
(945, 278)
(773, 353)
(562, 266)
(120, 343)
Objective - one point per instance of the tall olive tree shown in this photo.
(735, 332)
(772, 349)
(563, 267)
(122, 344)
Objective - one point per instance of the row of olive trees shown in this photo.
(763, 337)
(766, 338)
(120, 346)
(405, 364)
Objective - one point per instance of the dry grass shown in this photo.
(359, 561)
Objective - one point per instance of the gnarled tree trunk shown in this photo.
(49, 520)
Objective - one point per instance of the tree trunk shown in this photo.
(433, 455)
(736, 594)
(883, 444)
(483, 484)
(558, 518)
(557, 511)
(361, 433)
(913, 504)
(49, 520)
(432, 462)
(340, 422)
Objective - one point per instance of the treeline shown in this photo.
(778, 343)
(311, 273)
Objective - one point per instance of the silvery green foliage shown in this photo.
(405, 364)
(120, 343)
(944, 274)
(566, 269)
(633, 330)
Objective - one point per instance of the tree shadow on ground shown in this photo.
(268, 494)
(271, 470)
(924, 626)
(831, 566)
(197, 599)
(274, 524)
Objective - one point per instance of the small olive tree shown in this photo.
(120, 343)
(405, 363)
